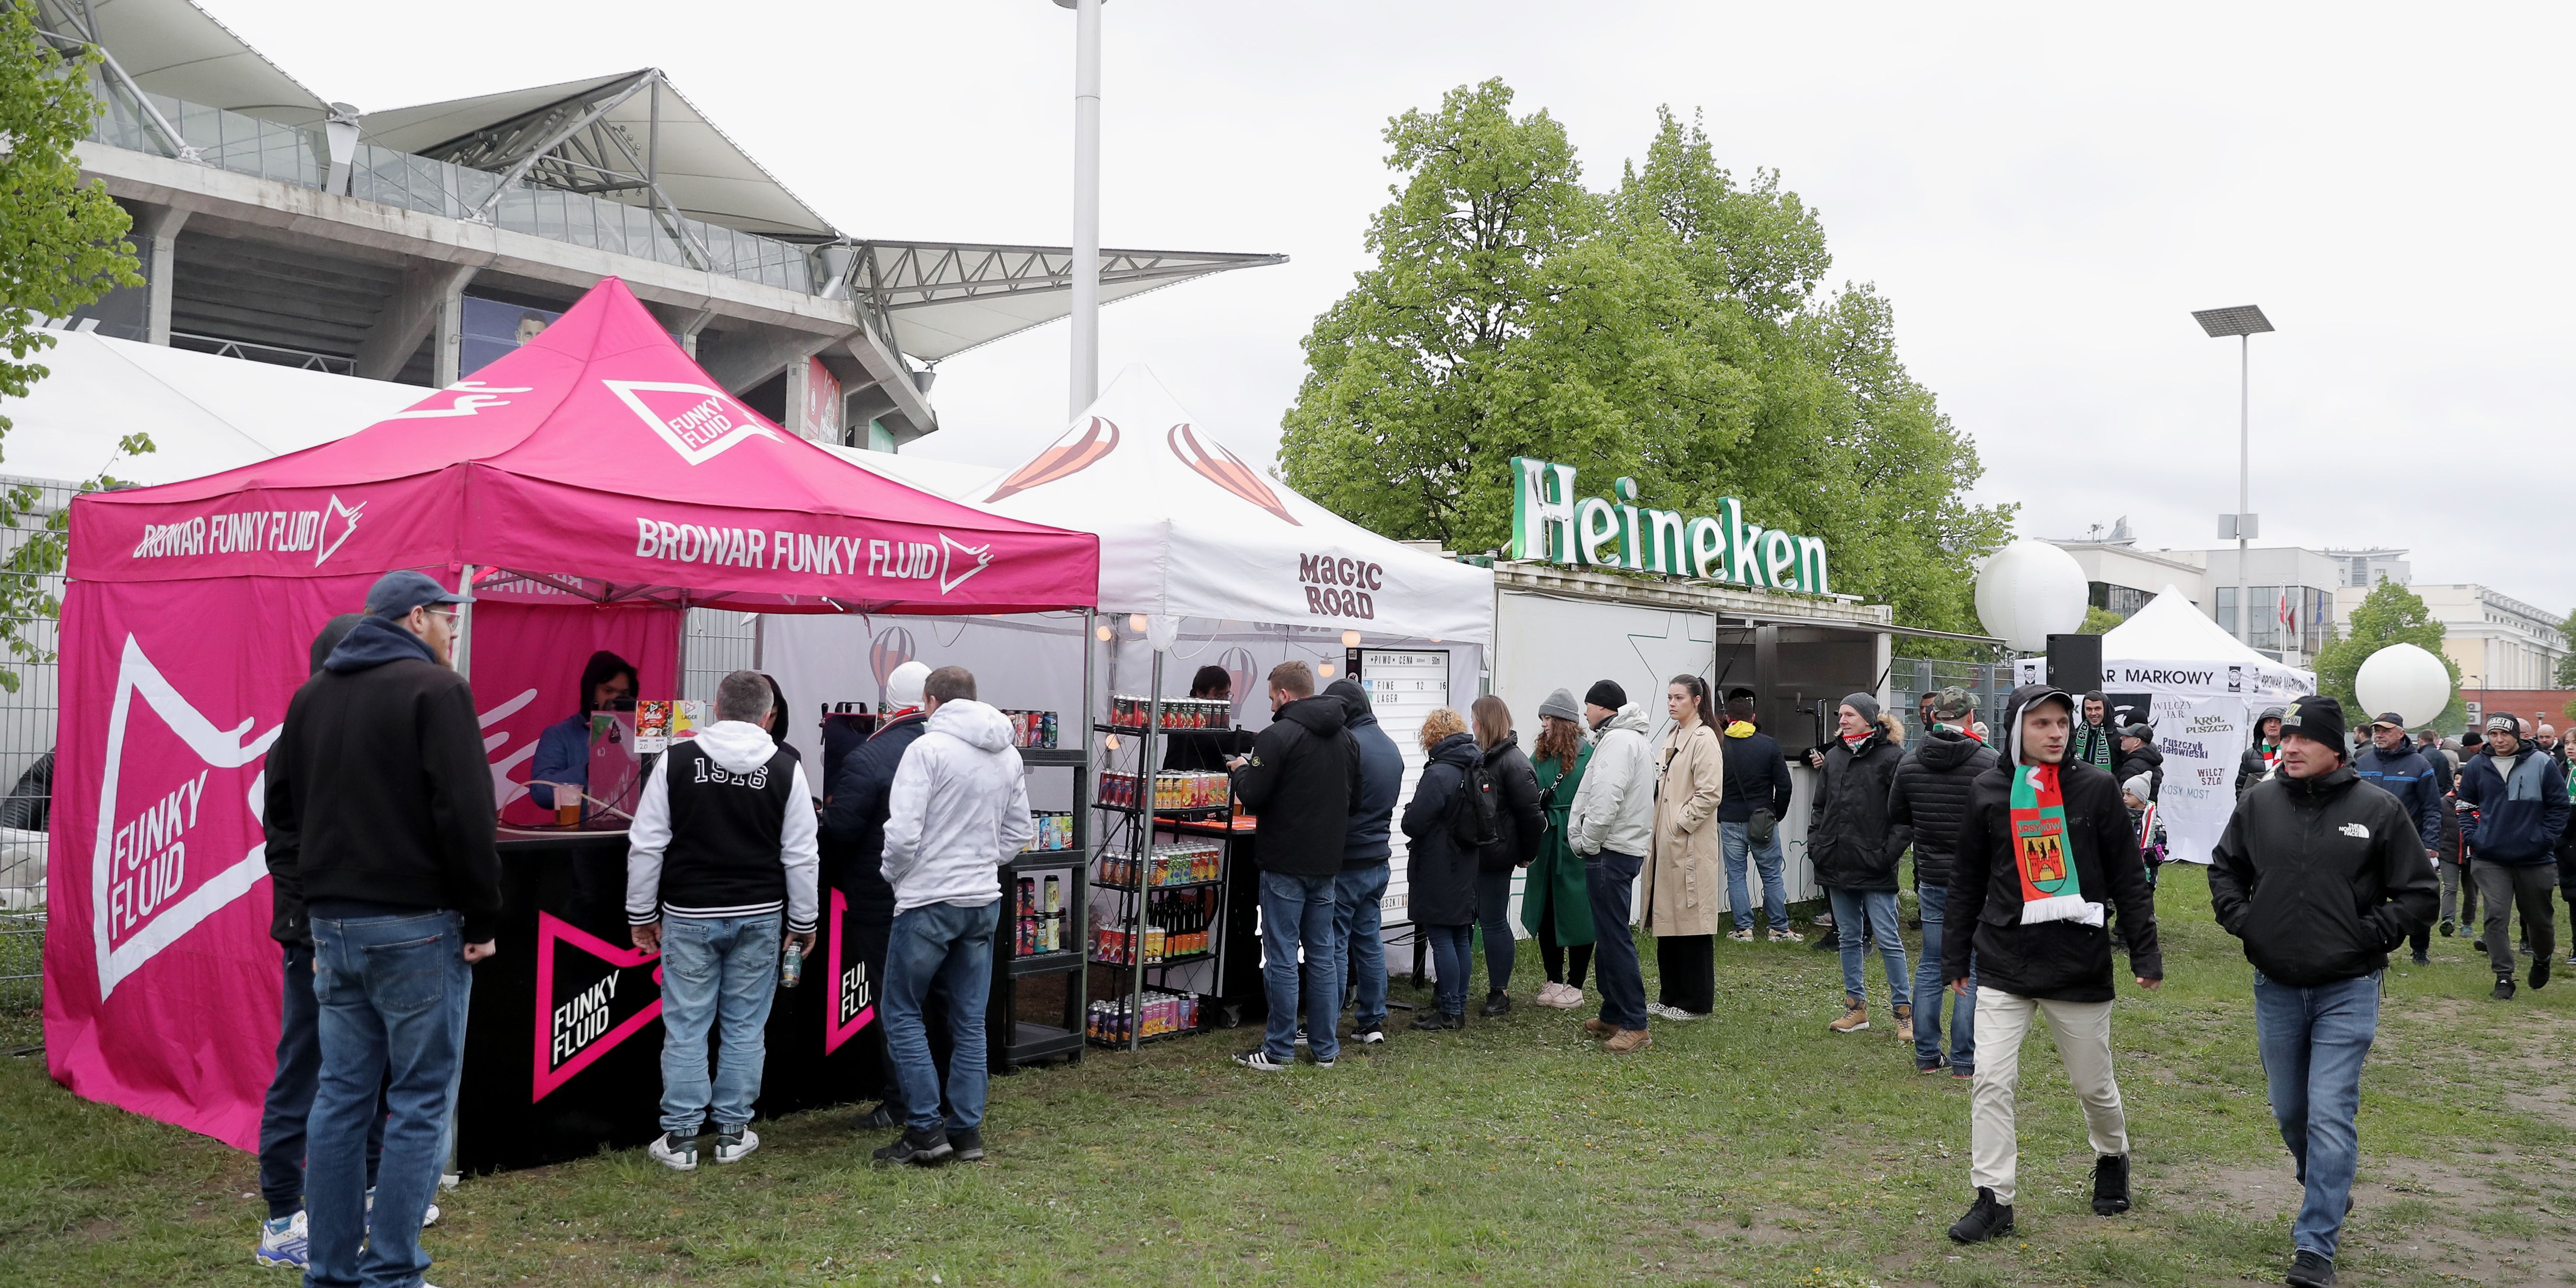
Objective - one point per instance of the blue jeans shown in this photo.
(1295, 912)
(720, 973)
(1736, 843)
(392, 993)
(1611, 879)
(1453, 954)
(950, 945)
(1879, 907)
(1359, 895)
(2313, 1041)
(290, 1093)
(1930, 991)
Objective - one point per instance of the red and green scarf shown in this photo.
(2049, 888)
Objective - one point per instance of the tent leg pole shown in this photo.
(461, 653)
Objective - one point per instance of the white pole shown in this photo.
(2244, 478)
(1086, 205)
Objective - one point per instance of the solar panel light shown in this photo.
(2243, 319)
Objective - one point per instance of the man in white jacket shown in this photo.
(722, 845)
(958, 811)
(1612, 825)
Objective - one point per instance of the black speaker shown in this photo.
(2075, 663)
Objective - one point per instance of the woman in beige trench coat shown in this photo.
(1684, 877)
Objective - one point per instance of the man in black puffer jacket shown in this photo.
(2320, 876)
(1855, 849)
(1302, 778)
(1930, 796)
(2522, 810)
(2046, 842)
(1756, 782)
(853, 849)
(1359, 891)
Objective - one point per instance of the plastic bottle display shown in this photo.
(1187, 863)
(1155, 1014)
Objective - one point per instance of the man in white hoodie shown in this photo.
(721, 846)
(1612, 825)
(958, 811)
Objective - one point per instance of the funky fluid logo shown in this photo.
(176, 799)
(698, 422)
(591, 996)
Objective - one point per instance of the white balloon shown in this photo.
(2029, 591)
(2404, 679)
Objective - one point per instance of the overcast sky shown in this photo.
(2044, 193)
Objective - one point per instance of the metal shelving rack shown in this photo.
(1131, 831)
(1016, 1042)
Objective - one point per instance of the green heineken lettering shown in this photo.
(1553, 524)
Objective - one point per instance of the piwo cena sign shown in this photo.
(1549, 522)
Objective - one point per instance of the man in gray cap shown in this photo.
(2522, 808)
(379, 789)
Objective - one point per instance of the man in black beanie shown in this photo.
(2522, 809)
(1612, 825)
(2321, 877)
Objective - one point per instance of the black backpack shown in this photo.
(1475, 818)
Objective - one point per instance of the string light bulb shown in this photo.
(1103, 633)
(1350, 639)
(1324, 669)
(1110, 743)
(1136, 622)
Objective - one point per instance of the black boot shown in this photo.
(2504, 987)
(916, 1148)
(1499, 1002)
(1987, 1220)
(2110, 1184)
(2308, 1270)
(2540, 971)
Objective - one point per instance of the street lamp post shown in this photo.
(2244, 321)
(1085, 384)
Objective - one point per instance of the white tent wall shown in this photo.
(1544, 643)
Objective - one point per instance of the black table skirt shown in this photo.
(563, 1043)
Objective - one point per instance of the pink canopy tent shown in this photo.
(591, 486)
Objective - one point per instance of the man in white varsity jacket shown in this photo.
(721, 847)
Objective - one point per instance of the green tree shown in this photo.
(2566, 677)
(62, 245)
(2390, 614)
(2099, 621)
(1671, 330)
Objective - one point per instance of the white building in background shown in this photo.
(2368, 568)
(2500, 642)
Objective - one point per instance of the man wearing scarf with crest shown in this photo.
(2045, 841)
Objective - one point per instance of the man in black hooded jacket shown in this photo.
(1302, 778)
(1930, 796)
(2321, 877)
(2045, 840)
(852, 835)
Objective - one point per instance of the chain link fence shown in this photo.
(27, 721)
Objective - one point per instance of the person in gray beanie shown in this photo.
(1854, 848)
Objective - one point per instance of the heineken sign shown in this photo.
(1549, 522)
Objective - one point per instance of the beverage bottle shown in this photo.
(791, 968)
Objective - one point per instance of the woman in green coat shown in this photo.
(1554, 905)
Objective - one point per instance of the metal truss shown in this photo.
(891, 277)
(572, 146)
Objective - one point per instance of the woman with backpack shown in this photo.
(1441, 868)
(1554, 904)
(1685, 872)
(1518, 828)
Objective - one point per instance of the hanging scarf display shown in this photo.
(2049, 888)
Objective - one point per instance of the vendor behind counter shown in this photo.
(1205, 750)
(563, 750)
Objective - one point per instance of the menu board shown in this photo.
(1404, 686)
(658, 722)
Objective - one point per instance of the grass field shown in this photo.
(1750, 1148)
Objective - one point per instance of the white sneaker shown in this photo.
(282, 1242)
(1740, 936)
(1663, 1012)
(1779, 936)
(1566, 998)
(680, 1154)
(429, 1216)
(1260, 1060)
(733, 1148)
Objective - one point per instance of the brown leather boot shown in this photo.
(1905, 1023)
(1627, 1040)
(1599, 1028)
(1855, 1017)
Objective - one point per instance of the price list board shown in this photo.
(1404, 686)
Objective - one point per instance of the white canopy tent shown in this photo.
(205, 414)
(1230, 568)
(2201, 684)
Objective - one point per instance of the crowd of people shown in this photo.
(2034, 846)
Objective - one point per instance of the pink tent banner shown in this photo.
(598, 450)
(595, 480)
